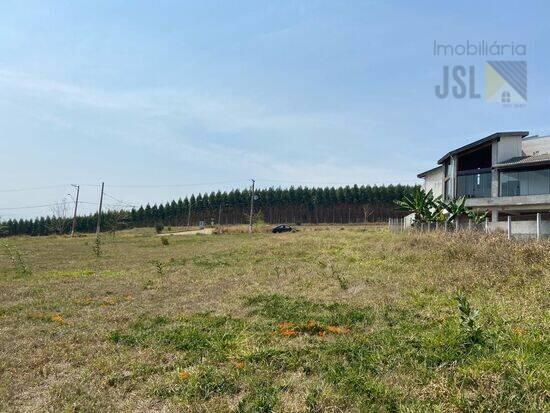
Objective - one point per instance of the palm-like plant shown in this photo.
(422, 204)
(478, 216)
(455, 208)
(427, 208)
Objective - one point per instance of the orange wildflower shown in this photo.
(321, 333)
(288, 333)
(184, 375)
(285, 325)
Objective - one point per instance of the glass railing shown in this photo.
(534, 182)
(474, 185)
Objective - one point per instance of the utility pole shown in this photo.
(189, 214)
(220, 215)
(75, 208)
(99, 212)
(251, 206)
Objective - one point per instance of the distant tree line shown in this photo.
(349, 204)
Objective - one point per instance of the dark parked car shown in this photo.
(282, 228)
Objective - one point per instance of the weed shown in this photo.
(159, 266)
(335, 273)
(97, 247)
(471, 331)
(164, 241)
(16, 258)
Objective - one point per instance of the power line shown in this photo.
(118, 200)
(177, 185)
(47, 205)
(36, 188)
(35, 206)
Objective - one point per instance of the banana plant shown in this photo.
(423, 205)
(455, 208)
(478, 216)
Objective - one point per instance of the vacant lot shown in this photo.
(328, 320)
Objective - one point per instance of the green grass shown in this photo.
(262, 323)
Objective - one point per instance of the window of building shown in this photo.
(474, 185)
(526, 182)
(477, 159)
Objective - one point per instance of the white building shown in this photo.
(507, 173)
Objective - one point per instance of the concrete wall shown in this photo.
(521, 227)
(434, 181)
(508, 147)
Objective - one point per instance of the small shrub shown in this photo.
(164, 241)
(159, 267)
(16, 258)
(159, 228)
(471, 331)
(96, 248)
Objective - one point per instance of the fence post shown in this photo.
(429, 226)
(469, 224)
(486, 225)
(389, 224)
(456, 224)
(538, 225)
(445, 226)
(509, 227)
(436, 225)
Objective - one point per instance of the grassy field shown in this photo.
(331, 320)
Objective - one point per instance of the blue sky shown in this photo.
(208, 94)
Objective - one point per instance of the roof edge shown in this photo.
(423, 174)
(482, 141)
